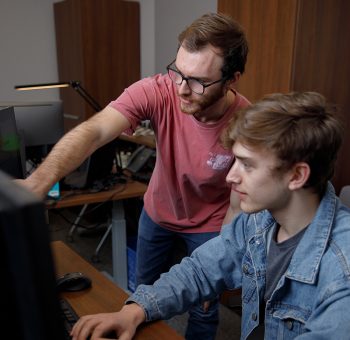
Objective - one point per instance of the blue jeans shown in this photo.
(154, 245)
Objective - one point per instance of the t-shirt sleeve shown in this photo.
(139, 101)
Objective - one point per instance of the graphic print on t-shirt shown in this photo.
(218, 162)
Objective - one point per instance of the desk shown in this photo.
(118, 225)
(104, 296)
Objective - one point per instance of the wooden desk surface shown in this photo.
(104, 296)
(119, 192)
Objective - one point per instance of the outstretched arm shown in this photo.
(211, 268)
(75, 147)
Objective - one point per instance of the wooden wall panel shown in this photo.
(322, 63)
(298, 45)
(270, 29)
(69, 57)
(98, 43)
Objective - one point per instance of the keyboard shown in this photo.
(69, 317)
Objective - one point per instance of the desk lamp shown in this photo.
(75, 84)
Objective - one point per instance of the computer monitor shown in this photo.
(96, 170)
(12, 155)
(29, 296)
(40, 125)
(40, 122)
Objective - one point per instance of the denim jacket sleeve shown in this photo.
(213, 267)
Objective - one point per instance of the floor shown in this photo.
(85, 240)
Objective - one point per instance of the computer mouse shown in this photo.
(73, 282)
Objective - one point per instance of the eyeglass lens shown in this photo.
(193, 84)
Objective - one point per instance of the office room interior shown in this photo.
(31, 55)
(289, 52)
(295, 45)
(29, 46)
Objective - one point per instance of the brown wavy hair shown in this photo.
(222, 32)
(297, 127)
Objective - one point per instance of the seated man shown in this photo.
(289, 250)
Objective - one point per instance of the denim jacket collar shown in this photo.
(306, 259)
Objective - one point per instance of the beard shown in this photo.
(196, 106)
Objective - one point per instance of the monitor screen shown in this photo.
(29, 301)
(40, 125)
(96, 170)
(12, 157)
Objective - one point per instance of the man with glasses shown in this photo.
(188, 108)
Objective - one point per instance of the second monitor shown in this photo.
(40, 126)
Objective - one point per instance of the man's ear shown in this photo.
(230, 84)
(299, 175)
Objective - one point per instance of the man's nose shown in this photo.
(183, 88)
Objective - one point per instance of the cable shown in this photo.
(52, 203)
(57, 212)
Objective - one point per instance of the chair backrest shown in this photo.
(345, 195)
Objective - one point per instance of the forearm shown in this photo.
(135, 313)
(75, 147)
(191, 282)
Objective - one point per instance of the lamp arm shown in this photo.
(93, 103)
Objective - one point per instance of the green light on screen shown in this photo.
(10, 142)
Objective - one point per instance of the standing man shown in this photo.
(289, 250)
(188, 108)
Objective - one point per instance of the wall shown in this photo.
(148, 39)
(171, 18)
(28, 48)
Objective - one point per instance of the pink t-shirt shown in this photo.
(187, 191)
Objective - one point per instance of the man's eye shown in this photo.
(202, 82)
(194, 80)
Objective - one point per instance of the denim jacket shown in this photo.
(310, 301)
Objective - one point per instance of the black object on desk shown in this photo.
(30, 298)
(141, 163)
(69, 317)
(73, 282)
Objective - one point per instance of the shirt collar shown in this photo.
(307, 257)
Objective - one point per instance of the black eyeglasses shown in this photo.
(196, 85)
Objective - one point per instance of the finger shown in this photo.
(106, 328)
(98, 333)
(126, 336)
(76, 327)
(84, 327)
